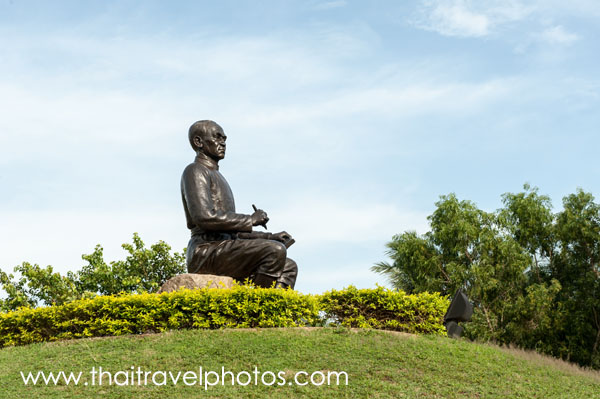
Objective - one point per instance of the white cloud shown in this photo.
(456, 20)
(548, 43)
(466, 18)
(328, 5)
(469, 18)
(506, 11)
(558, 35)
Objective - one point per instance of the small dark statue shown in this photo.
(223, 242)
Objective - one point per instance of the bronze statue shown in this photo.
(223, 242)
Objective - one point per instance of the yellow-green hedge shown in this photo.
(238, 307)
(387, 309)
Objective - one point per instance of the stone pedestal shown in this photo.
(191, 281)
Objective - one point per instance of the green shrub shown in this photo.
(238, 307)
(387, 309)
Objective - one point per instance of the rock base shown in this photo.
(192, 281)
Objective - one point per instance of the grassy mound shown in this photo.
(379, 365)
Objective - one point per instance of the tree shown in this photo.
(533, 276)
(36, 285)
(143, 270)
(578, 268)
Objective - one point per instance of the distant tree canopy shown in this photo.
(533, 275)
(144, 270)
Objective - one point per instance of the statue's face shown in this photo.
(213, 143)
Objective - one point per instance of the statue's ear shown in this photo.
(198, 141)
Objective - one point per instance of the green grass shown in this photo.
(379, 365)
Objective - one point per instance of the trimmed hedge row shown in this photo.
(386, 309)
(239, 307)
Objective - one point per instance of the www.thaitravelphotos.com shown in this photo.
(206, 378)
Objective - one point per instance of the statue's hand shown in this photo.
(259, 217)
(284, 237)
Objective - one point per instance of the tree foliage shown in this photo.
(533, 275)
(143, 270)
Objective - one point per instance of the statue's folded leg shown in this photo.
(241, 259)
(288, 275)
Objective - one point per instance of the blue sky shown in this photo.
(346, 119)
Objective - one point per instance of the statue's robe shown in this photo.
(215, 247)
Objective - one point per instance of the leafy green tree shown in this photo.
(36, 285)
(578, 269)
(466, 248)
(532, 275)
(16, 295)
(528, 218)
(143, 270)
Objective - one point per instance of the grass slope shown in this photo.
(379, 365)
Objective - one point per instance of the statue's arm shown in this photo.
(195, 186)
(283, 237)
(256, 235)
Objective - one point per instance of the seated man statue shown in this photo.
(223, 242)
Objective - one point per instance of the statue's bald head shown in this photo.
(201, 129)
(208, 138)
